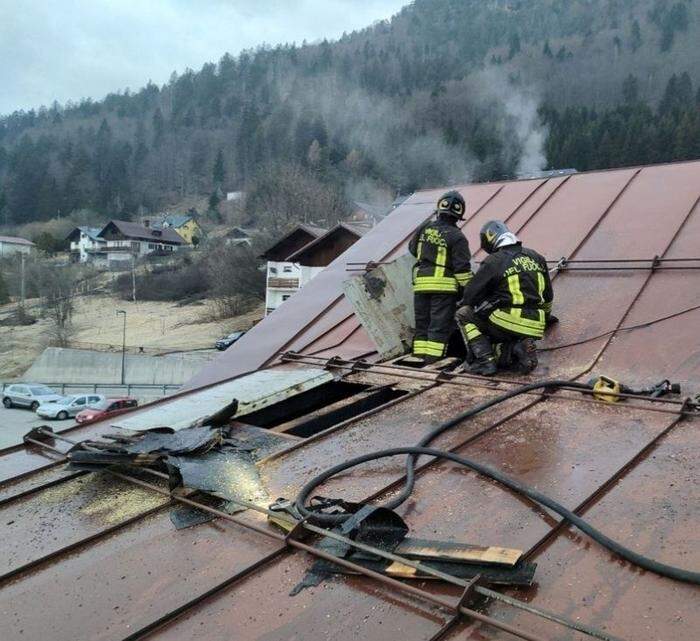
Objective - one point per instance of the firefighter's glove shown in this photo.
(463, 315)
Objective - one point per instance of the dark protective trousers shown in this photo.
(434, 323)
(473, 325)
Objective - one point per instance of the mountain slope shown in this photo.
(445, 90)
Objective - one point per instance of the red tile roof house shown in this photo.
(96, 556)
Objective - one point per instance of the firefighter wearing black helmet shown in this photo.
(508, 301)
(442, 269)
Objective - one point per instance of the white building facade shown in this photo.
(10, 245)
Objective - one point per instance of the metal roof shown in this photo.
(135, 230)
(16, 240)
(103, 560)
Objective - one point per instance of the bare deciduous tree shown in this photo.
(236, 280)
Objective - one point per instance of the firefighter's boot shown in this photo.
(484, 362)
(524, 355)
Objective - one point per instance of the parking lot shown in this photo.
(15, 423)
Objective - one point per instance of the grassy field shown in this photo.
(151, 325)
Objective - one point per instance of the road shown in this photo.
(15, 423)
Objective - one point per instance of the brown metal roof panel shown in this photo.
(591, 303)
(346, 608)
(67, 513)
(652, 510)
(566, 452)
(121, 583)
(670, 348)
(405, 422)
(534, 203)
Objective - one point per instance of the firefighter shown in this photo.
(442, 269)
(509, 302)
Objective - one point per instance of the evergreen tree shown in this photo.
(636, 36)
(630, 89)
(219, 171)
(158, 128)
(547, 50)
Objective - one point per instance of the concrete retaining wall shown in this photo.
(59, 365)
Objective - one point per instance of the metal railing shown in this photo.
(122, 390)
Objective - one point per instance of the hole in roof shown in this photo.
(318, 409)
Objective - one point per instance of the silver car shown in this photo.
(28, 395)
(69, 406)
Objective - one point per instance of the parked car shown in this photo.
(227, 341)
(108, 407)
(69, 406)
(28, 395)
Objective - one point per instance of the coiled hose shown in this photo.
(415, 452)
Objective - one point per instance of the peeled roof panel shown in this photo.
(253, 392)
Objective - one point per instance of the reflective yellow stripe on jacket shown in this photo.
(435, 284)
(514, 321)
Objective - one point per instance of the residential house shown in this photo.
(10, 245)
(119, 242)
(238, 236)
(302, 254)
(186, 225)
(85, 242)
(283, 276)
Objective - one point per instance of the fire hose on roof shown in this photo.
(422, 448)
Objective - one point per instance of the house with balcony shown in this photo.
(85, 242)
(300, 255)
(120, 242)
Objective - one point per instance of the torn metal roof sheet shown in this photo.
(252, 393)
(105, 562)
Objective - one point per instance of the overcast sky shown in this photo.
(72, 49)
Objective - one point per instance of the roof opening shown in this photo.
(317, 409)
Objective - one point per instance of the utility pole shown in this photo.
(121, 311)
(133, 277)
(21, 287)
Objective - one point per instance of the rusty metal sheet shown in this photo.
(567, 453)
(404, 423)
(591, 303)
(252, 392)
(68, 513)
(121, 583)
(383, 301)
(650, 509)
(23, 460)
(669, 349)
(343, 609)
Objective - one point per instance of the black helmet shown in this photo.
(452, 204)
(495, 234)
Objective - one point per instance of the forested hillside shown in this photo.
(447, 90)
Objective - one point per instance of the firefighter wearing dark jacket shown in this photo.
(508, 301)
(442, 269)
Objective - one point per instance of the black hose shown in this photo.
(336, 519)
(644, 562)
(415, 452)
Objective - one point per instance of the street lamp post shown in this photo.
(121, 311)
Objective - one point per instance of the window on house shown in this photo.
(273, 270)
(285, 297)
(287, 269)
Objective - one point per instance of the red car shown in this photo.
(108, 407)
